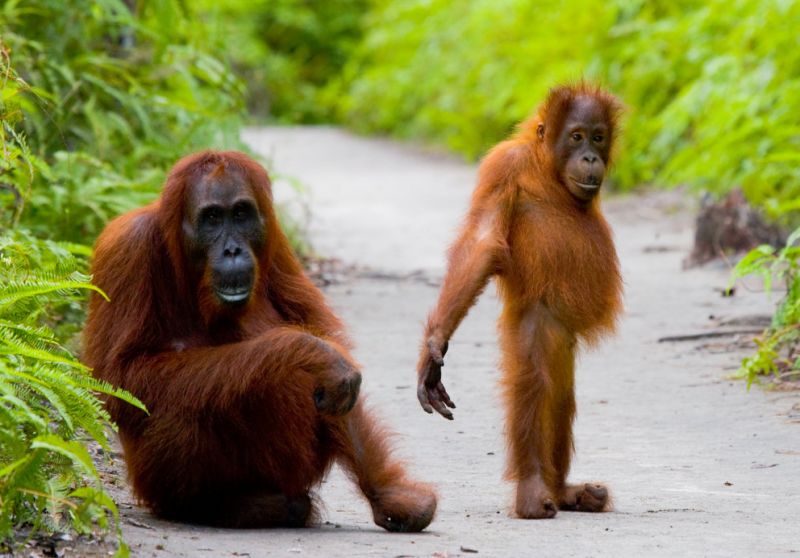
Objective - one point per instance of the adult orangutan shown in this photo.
(535, 224)
(244, 369)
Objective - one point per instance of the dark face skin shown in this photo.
(582, 148)
(224, 232)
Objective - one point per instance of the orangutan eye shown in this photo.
(211, 216)
(243, 212)
(598, 138)
(577, 137)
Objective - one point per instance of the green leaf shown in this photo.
(75, 451)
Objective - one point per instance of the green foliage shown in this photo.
(463, 73)
(712, 87)
(48, 406)
(17, 162)
(777, 351)
(286, 50)
(99, 103)
(95, 104)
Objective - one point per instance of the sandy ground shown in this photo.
(698, 466)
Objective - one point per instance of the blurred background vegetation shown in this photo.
(712, 86)
(286, 51)
(99, 97)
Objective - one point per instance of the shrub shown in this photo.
(778, 347)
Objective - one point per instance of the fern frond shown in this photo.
(14, 291)
(11, 343)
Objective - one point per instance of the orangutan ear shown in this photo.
(540, 131)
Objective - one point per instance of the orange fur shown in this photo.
(233, 436)
(558, 277)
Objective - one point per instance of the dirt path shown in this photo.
(698, 466)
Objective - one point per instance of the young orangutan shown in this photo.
(535, 224)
